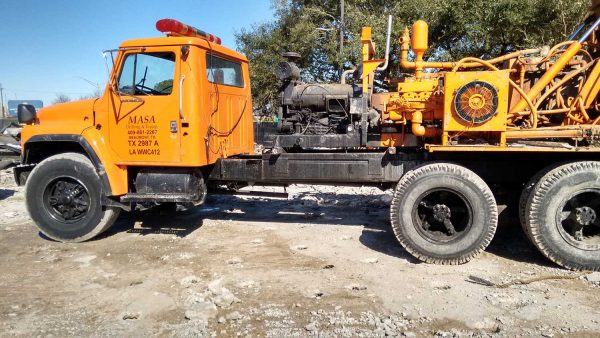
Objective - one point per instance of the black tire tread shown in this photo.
(431, 169)
(111, 213)
(524, 198)
(535, 204)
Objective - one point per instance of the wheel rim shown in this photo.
(577, 219)
(442, 215)
(67, 200)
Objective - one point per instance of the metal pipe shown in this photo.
(578, 29)
(538, 133)
(2, 101)
(474, 60)
(533, 116)
(554, 111)
(542, 112)
(548, 76)
(589, 31)
(405, 47)
(560, 83)
(562, 132)
(345, 75)
(553, 50)
(387, 46)
(586, 117)
(419, 130)
(589, 91)
(342, 28)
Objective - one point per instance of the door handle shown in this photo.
(181, 98)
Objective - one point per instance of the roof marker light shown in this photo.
(175, 28)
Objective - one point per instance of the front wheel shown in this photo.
(63, 197)
(443, 213)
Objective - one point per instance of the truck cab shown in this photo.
(172, 107)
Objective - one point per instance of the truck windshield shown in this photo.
(147, 74)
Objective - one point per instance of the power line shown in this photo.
(43, 91)
(91, 83)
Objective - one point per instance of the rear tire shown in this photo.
(427, 197)
(63, 197)
(553, 215)
(524, 198)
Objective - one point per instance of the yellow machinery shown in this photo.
(539, 94)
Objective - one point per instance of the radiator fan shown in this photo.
(476, 102)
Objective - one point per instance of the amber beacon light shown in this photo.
(175, 28)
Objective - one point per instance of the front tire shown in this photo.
(443, 213)
(562, 215)
(63, 197)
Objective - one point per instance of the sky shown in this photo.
(55, 46)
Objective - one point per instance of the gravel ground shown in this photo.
(322, 262)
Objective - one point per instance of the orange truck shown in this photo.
(175, 122)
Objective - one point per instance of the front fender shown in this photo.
(116, 175)
(112, 176)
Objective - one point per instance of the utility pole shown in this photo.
(2, 100)
(342, 27)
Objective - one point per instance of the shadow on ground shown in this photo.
(159, 220)
(6, 193)
(377, 235)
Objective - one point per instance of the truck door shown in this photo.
(230, 107)
(145, 124)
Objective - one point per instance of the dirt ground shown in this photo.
(322, 262)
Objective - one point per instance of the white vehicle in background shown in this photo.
(10, 133)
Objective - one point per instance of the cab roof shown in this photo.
(180, 41)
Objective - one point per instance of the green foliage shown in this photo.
(490, 28)
(458, 28)
(165, 86)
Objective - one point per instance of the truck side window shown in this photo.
(147, 74)
(223, 71)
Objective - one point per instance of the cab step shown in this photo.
(162, 198)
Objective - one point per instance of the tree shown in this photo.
(490, 28)
(165, 86)
(93, 95)
(61, 98)
(458, 28)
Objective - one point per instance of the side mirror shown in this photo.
(26, 113)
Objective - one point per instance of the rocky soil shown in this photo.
(321, 262)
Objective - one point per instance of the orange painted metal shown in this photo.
(550, 74)
(196, 124)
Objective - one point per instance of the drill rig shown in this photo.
(444, 122)
(543, 97)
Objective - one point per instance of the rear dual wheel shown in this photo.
(443, 213)
(562, 215)
(524, 198)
